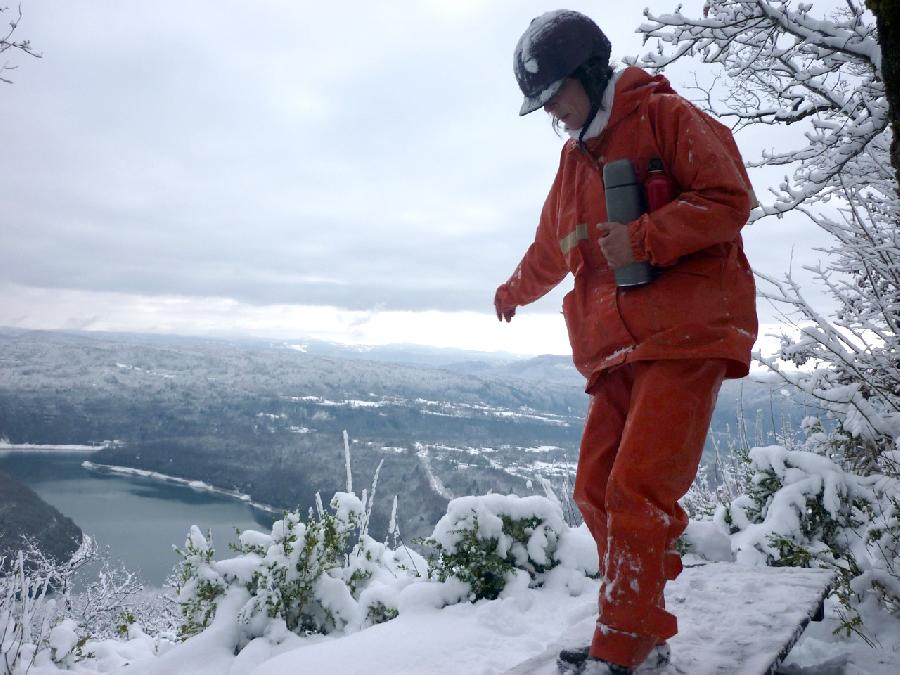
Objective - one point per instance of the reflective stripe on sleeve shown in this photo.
(571, 240)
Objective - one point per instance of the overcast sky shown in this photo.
(353, 171)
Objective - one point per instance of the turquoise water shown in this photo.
(136, 519)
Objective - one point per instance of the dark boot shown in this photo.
(574, 660)
(578, 660)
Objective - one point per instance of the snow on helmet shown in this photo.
(551, 49)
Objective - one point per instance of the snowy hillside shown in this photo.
(265, 419)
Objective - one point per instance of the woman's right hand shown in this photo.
(505, 309)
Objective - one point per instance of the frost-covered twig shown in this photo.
(781, 65)
(369, 503)
(347, 462)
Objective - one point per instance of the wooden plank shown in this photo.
(733, 620)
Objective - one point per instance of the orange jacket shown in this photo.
(702, 305)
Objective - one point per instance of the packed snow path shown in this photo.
(733, 619)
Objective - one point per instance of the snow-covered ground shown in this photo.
(732, 620)
(490, 637)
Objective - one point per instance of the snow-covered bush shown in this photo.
(301, 576)
(199, 585)
(732, 478)
(324, 573)
(485, 541)
(27, 614)
(882, 539)
(318, 574)
(701, 499)
(803, 509)
(798, 510)
(44, 621)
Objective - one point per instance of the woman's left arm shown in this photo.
(716, 195)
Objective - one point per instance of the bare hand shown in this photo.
(504, 309)
(615, 244)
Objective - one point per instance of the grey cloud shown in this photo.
(358, 157)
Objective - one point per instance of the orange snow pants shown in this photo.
(643, 438)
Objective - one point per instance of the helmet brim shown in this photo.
(539, 100)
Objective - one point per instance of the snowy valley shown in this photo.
(266, 419)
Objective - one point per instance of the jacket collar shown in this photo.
(596, 126)
(626, 91)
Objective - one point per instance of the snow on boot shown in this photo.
(657, 659)
(594, 666)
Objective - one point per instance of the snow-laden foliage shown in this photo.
(797, 515)
(780, 63)
(318, 574)
(702, 497)
(803, 509)
(44, 621)
(718, 483)
(851, 361)
(199, 584)
(324, 574)
(485, 541)
(26, 614)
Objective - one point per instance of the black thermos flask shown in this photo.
(624, 203)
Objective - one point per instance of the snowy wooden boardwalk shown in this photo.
(733, 620)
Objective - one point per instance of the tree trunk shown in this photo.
(887, 16)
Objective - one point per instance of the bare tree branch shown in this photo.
(7, 43)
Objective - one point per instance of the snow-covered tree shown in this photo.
(43, 621)
(780, 63)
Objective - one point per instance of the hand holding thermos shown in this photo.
(626, 201)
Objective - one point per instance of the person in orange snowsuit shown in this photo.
(654, 356)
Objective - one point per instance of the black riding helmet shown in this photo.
(557, 45)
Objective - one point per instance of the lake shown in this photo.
(136, 519)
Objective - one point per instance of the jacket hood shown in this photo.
(632, 86)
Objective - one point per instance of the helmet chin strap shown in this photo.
(595, 108)
(595, 80)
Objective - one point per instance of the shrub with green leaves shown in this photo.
(805, 510)
(797, 500)
(484, 540)
(316, 574)
(199, 584)
(298, 579)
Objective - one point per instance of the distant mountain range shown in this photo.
(266, 418)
